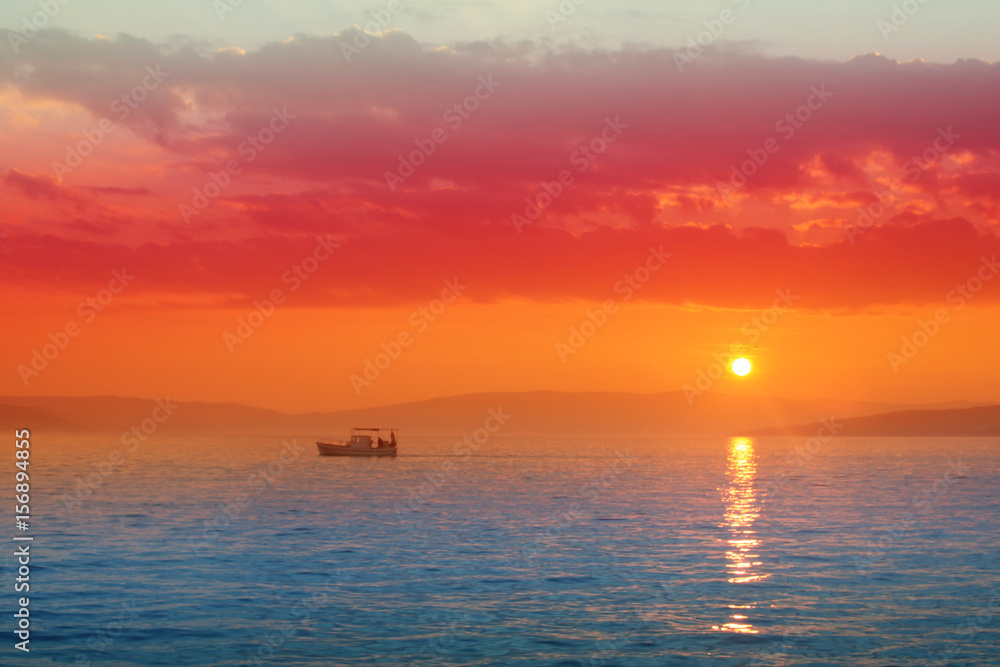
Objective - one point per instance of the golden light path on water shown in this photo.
(742, 508)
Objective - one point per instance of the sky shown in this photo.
(323, 205)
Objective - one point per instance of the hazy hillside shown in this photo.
(602, 413)
(17, 417)
(978, 421)
(531, 413)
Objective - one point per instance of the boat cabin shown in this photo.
(366, 438)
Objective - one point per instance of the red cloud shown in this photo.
(823, 140)
(43, 186)
(891, 264)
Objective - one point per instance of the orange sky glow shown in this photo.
(492, 219)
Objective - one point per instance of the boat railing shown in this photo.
(333, 440)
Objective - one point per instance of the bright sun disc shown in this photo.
(741, 366)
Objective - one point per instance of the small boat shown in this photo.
(363, 442)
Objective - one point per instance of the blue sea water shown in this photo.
(525, 552)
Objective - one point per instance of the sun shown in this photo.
(741, 366)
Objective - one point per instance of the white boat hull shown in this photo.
(332, 449)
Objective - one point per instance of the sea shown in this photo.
(493, 550)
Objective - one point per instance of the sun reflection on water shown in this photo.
(742, 508)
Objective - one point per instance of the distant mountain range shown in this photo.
(530, 413)
(978, 421)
